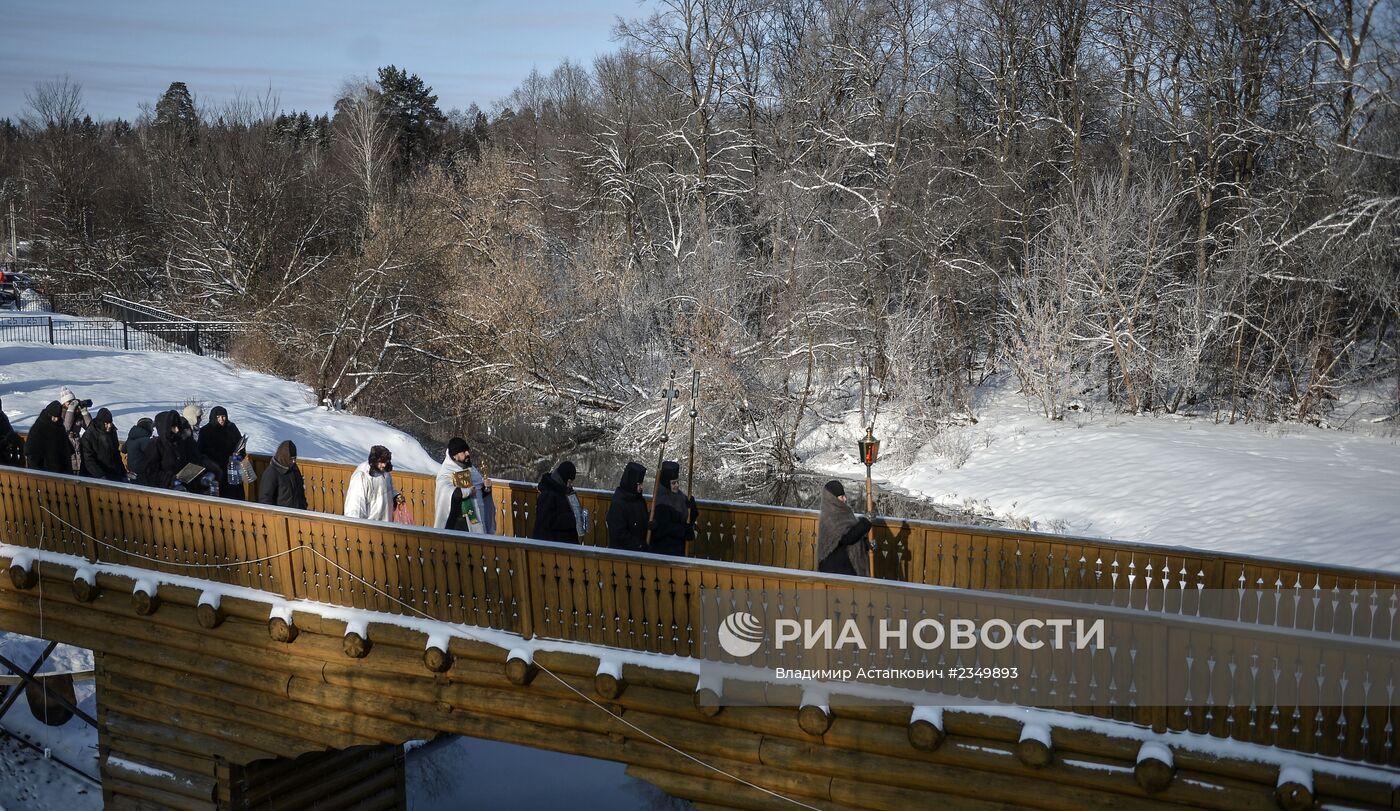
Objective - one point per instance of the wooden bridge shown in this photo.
(257, 657)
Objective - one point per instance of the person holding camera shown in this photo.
(76, 421)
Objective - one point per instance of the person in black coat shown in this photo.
(165, 456)
(281, 484)
(102, 458)
(48, 447)
(217, 442)
(627, 516)
(841, 544)
(138, 442)
(204, 485)
(676, 514)
(554, 514)
(11, 446)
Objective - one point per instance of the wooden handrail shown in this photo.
(946, 554)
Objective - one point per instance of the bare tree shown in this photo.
(56, 104)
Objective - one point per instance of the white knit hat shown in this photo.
(194, 413)
(65, 394)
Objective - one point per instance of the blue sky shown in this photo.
(127, 52)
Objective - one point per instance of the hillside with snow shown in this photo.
(140, 384)
(1277, 490)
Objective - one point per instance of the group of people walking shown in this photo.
(666, 527)
(176, 450)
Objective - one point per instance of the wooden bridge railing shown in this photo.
(1319, 597)
(1228, 679)
(1330, 599)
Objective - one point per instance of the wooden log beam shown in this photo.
(355, 779)
(132, 748)
(376, 791)
(84, 590)
(1033, 749)
(23, 578)
(219, 729)
(269, 711)
(123, 635)
(355, 645)
(436, 659)
(1155, 767)
(608, 681)
(148, 797)
(417, 703)
(707, 702)
(814, 719)
(145, 598)
(133, 770)
(266, 780)
(1295, 789)
(281, 629)
(890, 798)
(926, 728)
(209, 615)
(120, 723)
(520, 670)
(1011, 784)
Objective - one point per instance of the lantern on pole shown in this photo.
(869, 452)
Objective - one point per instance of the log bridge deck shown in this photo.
(250, 657)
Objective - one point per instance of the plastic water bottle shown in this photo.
(235, 470)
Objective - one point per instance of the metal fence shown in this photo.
(121, 309)
(131, 326)
(209, 338)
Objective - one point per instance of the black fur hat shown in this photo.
(835, 488)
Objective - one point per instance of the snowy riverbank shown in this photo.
(1279, 490)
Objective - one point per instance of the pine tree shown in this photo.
(321, 130)
(410, 109)
(175, 110)
(480, 128)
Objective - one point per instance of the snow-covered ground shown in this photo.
(1287, 491)
(140, 384)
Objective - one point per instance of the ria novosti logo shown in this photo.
(741, 634)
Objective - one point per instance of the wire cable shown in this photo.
(419, 612)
